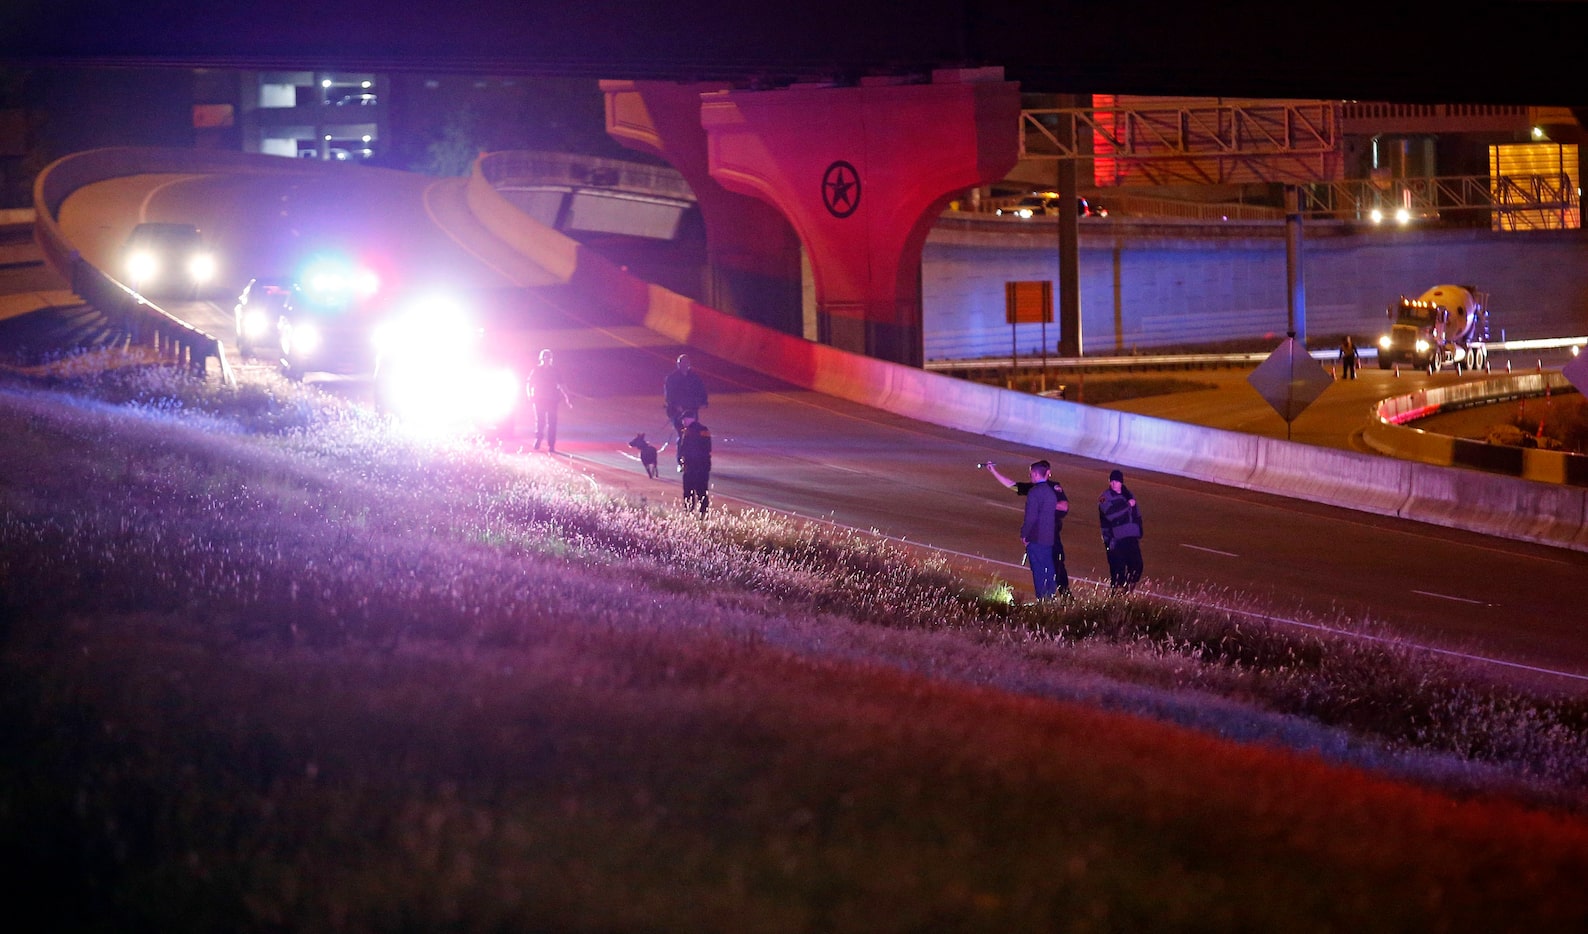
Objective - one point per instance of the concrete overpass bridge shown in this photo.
(829, 126)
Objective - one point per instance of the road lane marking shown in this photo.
(1445, 596)
(1227, 554)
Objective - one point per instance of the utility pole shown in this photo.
(1069, 237)
(1294, 281)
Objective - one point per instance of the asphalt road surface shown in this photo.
(789, 449)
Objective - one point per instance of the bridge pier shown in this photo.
(752, 254)
(861, 172)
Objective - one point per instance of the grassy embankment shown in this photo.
(279, 668)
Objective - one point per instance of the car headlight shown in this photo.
(301, 339)
(435, 397)
(1376, 216)
(434, 329)
(142, 265)
(1384, 342)
(201, 267)
(495, 396)
(1422, 346)
(255, 324)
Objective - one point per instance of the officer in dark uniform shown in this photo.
(682, 391)
(694, 458)
(1045, 581)
(1120, 519)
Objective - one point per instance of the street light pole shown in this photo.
(1294, 281)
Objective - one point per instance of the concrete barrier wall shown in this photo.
(1389, 432)
(1480, 502)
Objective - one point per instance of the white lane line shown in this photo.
(143, 207)
(1445, 596)
(1214, 551)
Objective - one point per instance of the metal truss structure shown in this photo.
(1197, 142)
(1288, 142)
(1508, 202)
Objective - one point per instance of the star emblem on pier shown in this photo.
(841, 189)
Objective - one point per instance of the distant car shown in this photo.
(258, 314)
(167, 259)
(1043, 204)
(328, 321)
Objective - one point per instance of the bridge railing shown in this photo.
(504, 169)
(145, 322)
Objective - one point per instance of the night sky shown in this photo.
(1503, 51)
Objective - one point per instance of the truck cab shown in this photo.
(1447, 325)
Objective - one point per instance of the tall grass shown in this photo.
(380, 566)
(267, 660)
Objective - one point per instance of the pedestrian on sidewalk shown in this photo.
(1120, 519)
(1041, 531)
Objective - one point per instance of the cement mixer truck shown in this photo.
(1448, 325)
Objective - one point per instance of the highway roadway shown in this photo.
(789, 449)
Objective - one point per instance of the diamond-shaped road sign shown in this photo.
(1290, 380)
(1576, 372)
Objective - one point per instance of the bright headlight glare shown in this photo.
(1422, 346)
(443, 398)
(336, 282)
(255, 324)
(1376, 216)
(201, 267)
(495, 396)
(1403, 216)
(306, 338)
(142, 264)
(1384, 342)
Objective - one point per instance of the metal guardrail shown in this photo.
(142, 320)
(503, 169)
(146, 323)
(1193, 361)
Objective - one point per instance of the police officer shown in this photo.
(694, 459)
(1043, 527)
(1120, 519)
(682, 391)
(546, 392)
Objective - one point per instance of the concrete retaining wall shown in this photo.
(1146, 285)
(1490, 503)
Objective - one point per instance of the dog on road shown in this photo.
(648, 452)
